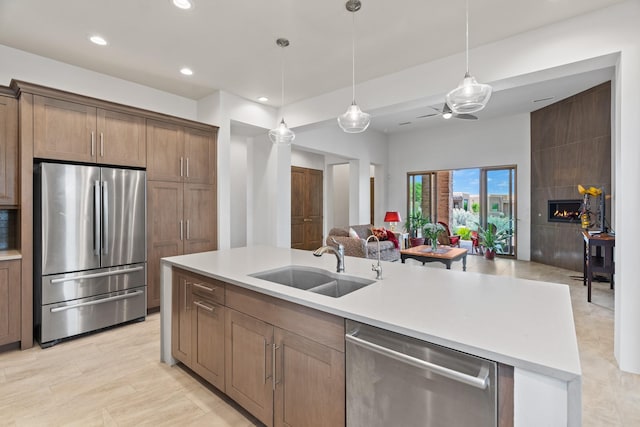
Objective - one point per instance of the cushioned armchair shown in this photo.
(355, 244)
(447, 238)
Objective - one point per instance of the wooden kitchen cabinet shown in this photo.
(8, 149)
(72, 131)
(10, 311)
(181, 219)
(181, 335)
(249, 364)
(180, 153)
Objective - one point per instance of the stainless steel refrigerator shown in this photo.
(89, 249)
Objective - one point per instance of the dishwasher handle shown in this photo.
(480, 381)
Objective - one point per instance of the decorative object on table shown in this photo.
(354, 120)
(586, 212)
(282, 135)
(392, 217)
(470, 96)
(492, 240)
(431, 231)
(415, 222)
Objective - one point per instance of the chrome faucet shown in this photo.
(376, 268)
(339, 253)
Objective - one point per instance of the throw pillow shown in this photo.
(392, 238)
(352, 233)
(380, 233)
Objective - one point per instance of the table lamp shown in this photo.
(392, 217)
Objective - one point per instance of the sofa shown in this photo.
(355, 244)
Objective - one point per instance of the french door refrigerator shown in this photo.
(89, 249)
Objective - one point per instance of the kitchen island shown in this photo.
(522, 323)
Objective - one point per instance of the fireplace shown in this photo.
(564, 210)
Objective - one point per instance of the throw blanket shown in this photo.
(391, 236)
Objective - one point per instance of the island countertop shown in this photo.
(523, 323)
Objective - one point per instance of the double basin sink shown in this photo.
(314, 280)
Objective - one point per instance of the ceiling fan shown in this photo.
(446, 114)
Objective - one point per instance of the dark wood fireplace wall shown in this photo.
(570, 145)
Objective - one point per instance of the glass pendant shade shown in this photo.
(282, 134)
(354, 120)
(469, 97)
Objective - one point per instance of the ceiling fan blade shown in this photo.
(427, 115)
(465, 116)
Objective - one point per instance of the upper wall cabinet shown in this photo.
(180, 153)
(71, 131)
(8, 150)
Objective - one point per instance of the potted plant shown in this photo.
(414, 223)
(431, 231)
(492, 239)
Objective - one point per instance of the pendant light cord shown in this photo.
(282, 78)
(353, 56)
(467, 36)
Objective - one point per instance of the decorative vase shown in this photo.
(434, 245)
(489, 254)
(416, 241)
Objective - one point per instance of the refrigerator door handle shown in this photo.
(96, 218)
(105, 218)
(97, 275)
(95, 302)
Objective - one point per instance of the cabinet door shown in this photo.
(207, 357)
(165, 151)
(310, 383)
(121, 139)
(181, 318)
(63, 130)
(248, 364)
(164, 231)
(8, 151)
(199, 156)
(200, 218)
(10, 301)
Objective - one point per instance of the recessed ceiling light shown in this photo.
(186, 71)
(263, 99)
(183, 4)
(98, 40)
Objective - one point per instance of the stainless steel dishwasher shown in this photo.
(395, 380)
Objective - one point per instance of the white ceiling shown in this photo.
(230, 44)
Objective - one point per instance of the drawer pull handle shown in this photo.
(204, 306)
(204, 288)
(96, 302)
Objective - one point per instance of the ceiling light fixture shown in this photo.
(446, 112)
(186, 71)
(98, 40)
(470, 96)
(282, 135)
(354, 120)
(183, 4)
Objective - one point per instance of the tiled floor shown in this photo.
(115, 379)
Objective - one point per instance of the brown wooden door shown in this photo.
(310, 383)
(306, 208)
(10, 287)
(200, 218)
(199, 156)
(8, 151)
(207, 358)
(248, 364)
(121, 139)
(165, 151)
(165, 231)
(181, 334)
(64, 130)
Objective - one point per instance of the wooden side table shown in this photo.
(598, 258)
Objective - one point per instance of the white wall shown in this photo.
(340, 190)
(463, 144)
(238, 199)
(305, 159)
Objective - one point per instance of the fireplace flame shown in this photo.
(566, 214)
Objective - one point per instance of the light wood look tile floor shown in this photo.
(114, 378)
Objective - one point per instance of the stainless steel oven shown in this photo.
(395, 380)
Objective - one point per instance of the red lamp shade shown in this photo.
(392, 216)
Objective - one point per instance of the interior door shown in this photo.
(306, 208)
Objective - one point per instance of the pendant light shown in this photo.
(354, 120)
(282, 134)
(470, 96)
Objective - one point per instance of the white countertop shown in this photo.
(523, 323)
(8, 255)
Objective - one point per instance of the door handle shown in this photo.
(101, 144)
(204, 306)
(181, 234)
(97, 275)
(181, 166)
(187, 229)
(93, 144)
(96, 302)
(273, 365)
(96, 218)
(187, 167)
(105, 218)
(307, 220)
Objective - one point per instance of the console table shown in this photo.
(598, 257)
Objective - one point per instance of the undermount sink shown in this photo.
(314, 280)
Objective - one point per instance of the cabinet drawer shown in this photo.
(204, 287)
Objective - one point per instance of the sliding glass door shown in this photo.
(498, 206)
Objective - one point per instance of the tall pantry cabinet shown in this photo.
(181, 196)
